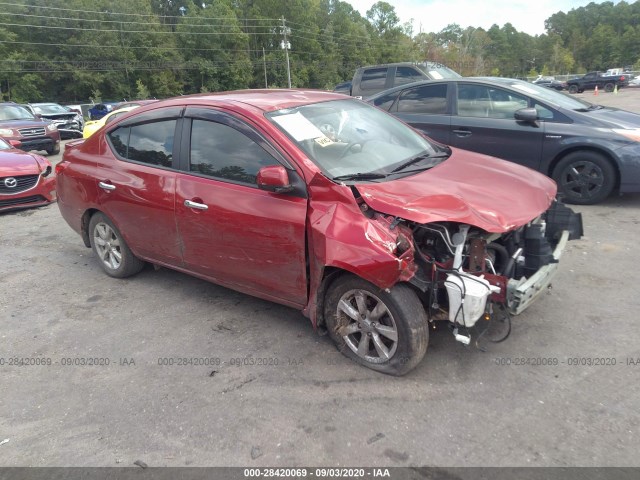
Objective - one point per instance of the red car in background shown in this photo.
(26, 179)
(322, 203)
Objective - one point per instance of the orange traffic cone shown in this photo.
(596, 90)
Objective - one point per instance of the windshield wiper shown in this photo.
(360, 176)
(591, 107)
(419, 158)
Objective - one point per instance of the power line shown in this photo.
(158, 24)
(131, 31)
(134, 47)
(94, 12)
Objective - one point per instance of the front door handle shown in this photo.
(462, 133)
(197, 206)
(106, 186)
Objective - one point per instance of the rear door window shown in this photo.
(150, 143)
(374, 79)
(426, 99)
(406, 75)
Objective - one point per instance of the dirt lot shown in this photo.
(308, 405)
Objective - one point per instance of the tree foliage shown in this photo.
(67, 51)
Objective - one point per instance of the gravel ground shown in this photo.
(307, 404)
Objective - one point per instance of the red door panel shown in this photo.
(246, 238)
(141, 202)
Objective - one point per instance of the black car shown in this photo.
(589, 150)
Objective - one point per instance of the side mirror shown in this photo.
(274, 178)
(37, 115)
(526, 115)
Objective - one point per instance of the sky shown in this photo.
(525, 15)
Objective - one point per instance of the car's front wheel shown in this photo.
(115, 257)
(385, 330)
(54, 150)
(573, 89)
(584, 177)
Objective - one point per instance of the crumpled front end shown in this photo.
(461, 272)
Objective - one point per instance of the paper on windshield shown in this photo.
(298, 126)
(435, 75)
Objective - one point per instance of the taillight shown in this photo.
(61, 166)
(622, 78)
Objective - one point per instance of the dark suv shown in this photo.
(18, 124)
(370, 80)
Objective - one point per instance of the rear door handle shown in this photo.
(462, 133)
(197, 206)
(106, 186)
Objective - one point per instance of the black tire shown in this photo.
(608, 87)
(396, 313)
(584, 178)
(101, 229)
(573, 89)
(54, 150)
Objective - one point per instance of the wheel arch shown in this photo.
(329, 275)
(84, 225)
(581, 148)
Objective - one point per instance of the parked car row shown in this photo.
(20, 127)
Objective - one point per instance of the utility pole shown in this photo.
(286, 46)
(264, 62)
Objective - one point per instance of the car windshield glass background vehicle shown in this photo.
(14, 112)
(4, 145)
(50, 109)
(150, 143)
(221, 151)
(548, 95)
(438, 71)
(346, 137)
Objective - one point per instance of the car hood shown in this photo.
(23, 124)
(491, 194)
(16, 162)
(611, 118)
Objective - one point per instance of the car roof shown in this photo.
(266, 100)
(484, 80)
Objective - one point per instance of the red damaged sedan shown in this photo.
(325, 204)
(26, 179)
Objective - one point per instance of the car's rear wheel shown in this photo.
(584, 177)
(573, 89)
(115, 257)
(608, 87)
(384, 330)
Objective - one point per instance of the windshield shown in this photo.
(50, 108)
(437, 71)
(15, 112)
(553, 97)
(349, 138)
(4, 145)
